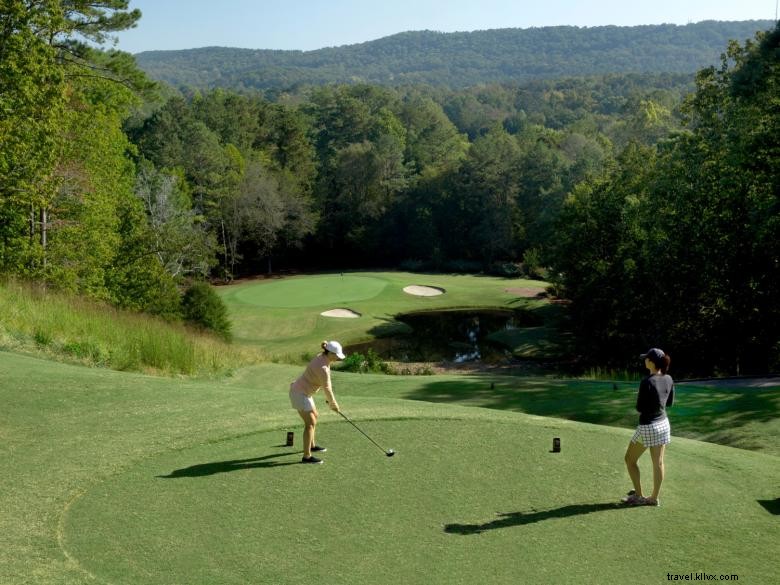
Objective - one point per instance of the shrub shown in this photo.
(424, 370)
(506, 269)
(458, 266)
(85, 350)
(363, 364)
(413, 265)
(353, 363)
(203, 307)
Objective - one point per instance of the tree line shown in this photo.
(655, 213)
(362, 175)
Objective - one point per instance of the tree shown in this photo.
(364, 178)
(256, 216)
(94, 174)
(288, 154)
(599, 251)
(62, 101)
(472, 116)
(31, 104)
(283, 135)
(433, 143)
(679, 248)
(161, 138)
(136, 278)
(489, 222)
(648, 123)
(235, 119)
(542, 183)
(360, 143)
(179, 238)
(722, 184)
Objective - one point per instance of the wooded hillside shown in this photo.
(459, 59)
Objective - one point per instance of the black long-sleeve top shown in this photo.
(656, 392)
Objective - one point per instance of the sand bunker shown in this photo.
(341, 313)
(424, 291)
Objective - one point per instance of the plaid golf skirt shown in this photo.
(655, 434)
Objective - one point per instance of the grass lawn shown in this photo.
(112, 477)
(125, 478)
(283, 316)
(747, 418)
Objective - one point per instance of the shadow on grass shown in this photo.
(771, 506)
(204, 469)
(697, 410)
(594, 402)
(521, 518)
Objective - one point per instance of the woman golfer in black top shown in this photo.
(656, 392)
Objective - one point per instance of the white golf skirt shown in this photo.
(300, 401)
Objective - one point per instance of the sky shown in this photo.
(313, 24)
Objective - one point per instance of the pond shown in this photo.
(454, 336)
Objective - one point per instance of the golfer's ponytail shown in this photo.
(324, 346)
(664, 367)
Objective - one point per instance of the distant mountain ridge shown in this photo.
(460, 59)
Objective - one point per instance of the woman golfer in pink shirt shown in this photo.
(315, 376)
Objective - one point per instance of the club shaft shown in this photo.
(363, 433)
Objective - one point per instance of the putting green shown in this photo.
(311, 291)
(463, 501)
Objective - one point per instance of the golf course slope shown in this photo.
(111, 477)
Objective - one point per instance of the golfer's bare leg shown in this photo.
(312, 440)
(309, 422)
(633, 453)
(657, 453)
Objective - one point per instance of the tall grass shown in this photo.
(34, 319)
(611, 374)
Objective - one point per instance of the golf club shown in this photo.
(388, 452)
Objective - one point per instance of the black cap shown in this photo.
(654, 354)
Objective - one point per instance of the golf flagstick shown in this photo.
(388, 452)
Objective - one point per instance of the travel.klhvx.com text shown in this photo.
(700, 577)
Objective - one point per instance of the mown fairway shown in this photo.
(283, 316)
(122, 478)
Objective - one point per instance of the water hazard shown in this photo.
(453, 336)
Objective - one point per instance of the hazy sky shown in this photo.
(313, 24)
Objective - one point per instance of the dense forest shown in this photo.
(459, 59)
(649, 200)
(361, 175)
